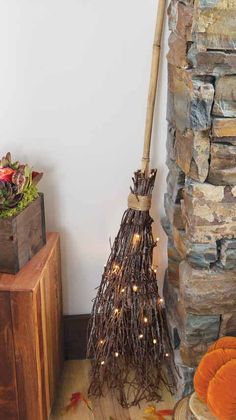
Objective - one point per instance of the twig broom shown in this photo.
(128, 335)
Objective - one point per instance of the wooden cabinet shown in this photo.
(31, 353)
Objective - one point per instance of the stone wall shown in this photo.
(200, 203)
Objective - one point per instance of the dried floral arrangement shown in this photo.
(18, 186)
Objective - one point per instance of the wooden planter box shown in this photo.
(22, 236)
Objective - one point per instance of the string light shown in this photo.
(157, 239)
(154, 341)
(161, 300)
(116, 311)
(140, 336)
(145, 319)
(101, 341)
(102, 363)
(123, 290)
(116, 354)
(116, 268)
(135, 288)
(136, 238)
(167, 354)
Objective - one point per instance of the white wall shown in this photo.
(73, 87)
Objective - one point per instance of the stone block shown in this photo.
(223, 164)
(224, 140)
(200, 328)
(215, 63)
(224, 127)
(173, 212)
(173, 331)
(189, 100)
(225, 97)
(207, 292)
(186, 373)
(180, 23)
(175, 183)
(166, 226)
(228, 325)
(214, 24)
(192, 329)
(172, 298)
(177, 54)
(209, 212)
(192, 355)
(228, 254)
(174, 260)
(192, 151)
(179, 239)
(170, 146)
(200, 255)
(180, 16)
(185, 378)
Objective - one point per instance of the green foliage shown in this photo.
(17, 186)
(30, 194)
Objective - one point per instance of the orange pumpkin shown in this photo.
(215, 378)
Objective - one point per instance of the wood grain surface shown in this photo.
(8, 391)
(76, 379)
(31, 336)
(22, 236)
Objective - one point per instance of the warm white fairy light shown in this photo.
(116, 268)
(136, 238)
(101, 341)
(116, 310)
(135, 288)
(155, 270)
(157, 239)
(161, 300)
(154, 341)
(167, 354)
(123, 290)
(102, 363)
(145, 319)
(116, 354)
(140, 336)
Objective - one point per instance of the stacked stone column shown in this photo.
(200, 284)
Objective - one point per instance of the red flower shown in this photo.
(34, 174)
(6, 174)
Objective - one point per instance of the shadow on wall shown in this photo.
(53, 212)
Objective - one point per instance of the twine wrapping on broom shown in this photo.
(139, 202)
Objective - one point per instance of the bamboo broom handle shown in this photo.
(153, 86)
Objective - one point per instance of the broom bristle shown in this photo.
(128, 334)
